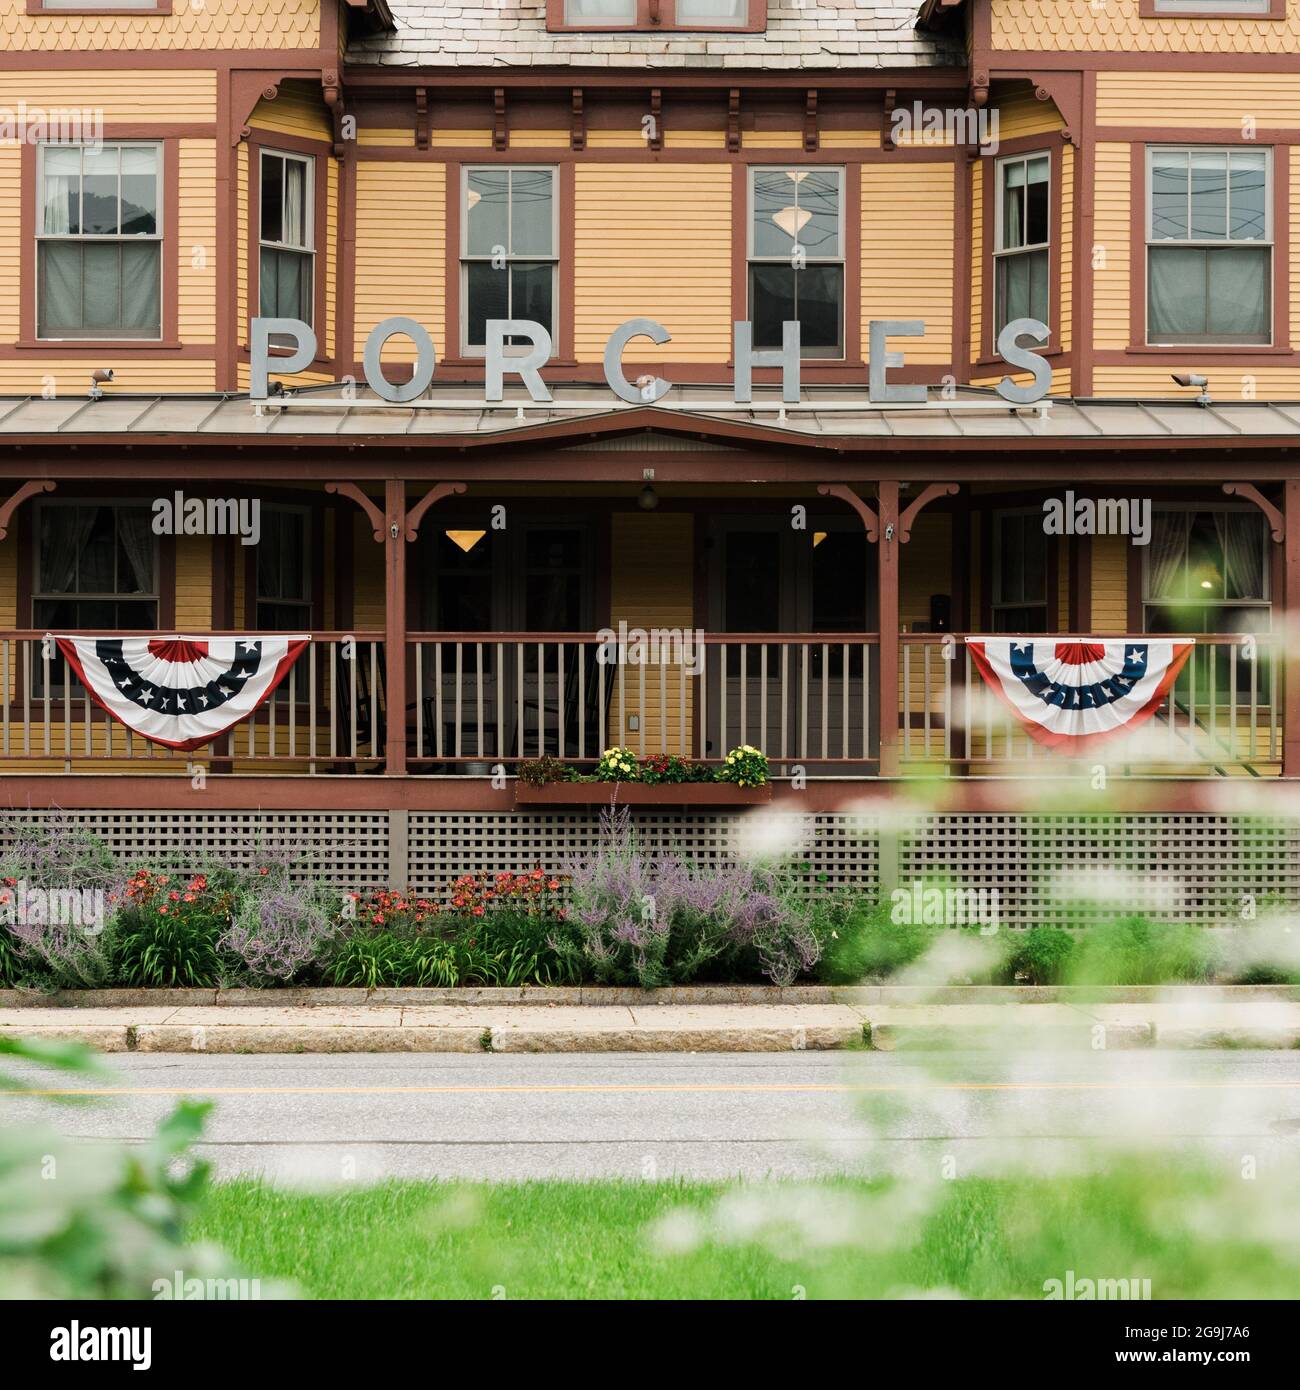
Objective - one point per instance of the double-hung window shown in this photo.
(1020, 559)
(509, 265)
(1023, 234)
(1209, 245)
(286, 269)
(284, 571)
(99, 242)
(796, 257)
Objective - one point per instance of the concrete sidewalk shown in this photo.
(1181, 1023)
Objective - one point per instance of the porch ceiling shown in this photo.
(829, 417)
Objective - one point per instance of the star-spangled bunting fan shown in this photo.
(1077, 692)
(181, 692)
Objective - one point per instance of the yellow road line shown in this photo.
(640, 1088)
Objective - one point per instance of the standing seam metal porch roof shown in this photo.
(824, 413)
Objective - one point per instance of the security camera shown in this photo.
(97, 379)
(1195, 379)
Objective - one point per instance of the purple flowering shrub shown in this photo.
(281, 930)
(658, 920)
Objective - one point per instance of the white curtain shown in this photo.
(709, 11)
(62, 169)
(1241, 536)
(1165, 560)
(294, 230)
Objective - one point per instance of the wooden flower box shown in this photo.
(635, 794)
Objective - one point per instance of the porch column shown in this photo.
(395, 626)
(887, 570)
(1291, 628)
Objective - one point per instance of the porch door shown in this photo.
(537, 576)
(768, 577)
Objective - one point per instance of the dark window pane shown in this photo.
(531, 294)
(839, 580)
(554, 549)
(488, 298)
(1029, 618)
(771, 300)
(819, 295)
(1036, 223)
(139, 191)
(272, 197)
(752, 582)
(99, 206)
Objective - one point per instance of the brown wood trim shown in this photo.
(1133, 595)
(451, 268)
(657, 17)
(1050, 145)
(1148, 9)
(1052, 564)
(1083, 238)
(345, 308)
(1279, 271)
(641, 152)
(962, 287)
(159, 7)
(1079, 604)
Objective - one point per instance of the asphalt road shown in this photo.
(320, 1119)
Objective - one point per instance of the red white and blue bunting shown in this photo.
(181, 692)
(1079, 691)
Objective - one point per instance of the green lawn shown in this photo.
(1193, 1233)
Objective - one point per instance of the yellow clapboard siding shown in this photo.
(197, 242)
(652, 578)
(1114, 182)
(771, 139)
(368, 585)
(849, 139)
(297, 110)
(193, 583)
(907, 234)
(539, 139)
(391, 136)
(654, 241)
(214, 24)
(472, 139)
(1024, 114)
(1110, 583)
(695, 139)
(66, 377)
(172, 95)
(328, 236)
(1227, 384)
(9, 578)
(10, 239)
(400, 262)
(1294, 250)
(1197, 99)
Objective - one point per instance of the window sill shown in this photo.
(1004, 365)
(478, 362)
(1236, 349)
(99, 344)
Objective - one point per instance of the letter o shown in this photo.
(426, 359)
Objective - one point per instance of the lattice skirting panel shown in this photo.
(1067, 870)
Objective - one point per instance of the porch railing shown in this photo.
(1222, 715)
(326, 714)
(510, 696)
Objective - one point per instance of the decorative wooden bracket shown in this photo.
(811, 135)
(846, 494)
(887, 120)
(577, 123)
(421, 118)
(354, 493)
(500, 131)
(246, 90)
(1065, 89)
(656, 119)
(333, 95)
(1276, 521)
(430, 499)
(911, 512)
(11, 506)
(733, 120)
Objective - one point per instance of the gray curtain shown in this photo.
(64, 532)
(136, 535)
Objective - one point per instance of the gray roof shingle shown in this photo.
(800, 34)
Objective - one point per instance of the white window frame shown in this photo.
(1219, 9)
(841, 260)
(309, 224)
(158, 236)
(1000, 250)
(1265, 243)
(469, 349)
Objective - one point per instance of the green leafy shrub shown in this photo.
(618, 765)
(506, 948)
(861, 943)
(1136, 951)
(167, 932)
(541, 772)
(1039, 956)
(392, 959)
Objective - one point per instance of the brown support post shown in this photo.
(1291, 629)
(395, 626)
(887, 557)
